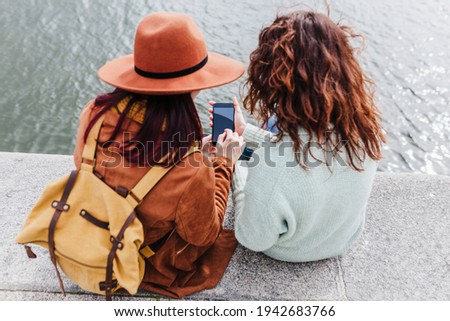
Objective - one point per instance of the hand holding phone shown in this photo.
(239, 120)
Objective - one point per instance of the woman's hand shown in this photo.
(229, 144)
(239, 121)
(207, 146)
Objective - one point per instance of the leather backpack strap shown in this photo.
(59, 206)
(109, 284)
(88, 156)
(150, 179)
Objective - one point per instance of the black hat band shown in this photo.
(173, 74)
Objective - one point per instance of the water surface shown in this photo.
(51, 50)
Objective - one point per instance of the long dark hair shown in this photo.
(304, 72)
(171, 126)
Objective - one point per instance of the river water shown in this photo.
(51, 50)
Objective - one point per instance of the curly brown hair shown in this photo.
(304, 71)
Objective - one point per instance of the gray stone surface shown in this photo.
(404, 253)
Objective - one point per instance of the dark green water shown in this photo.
(51, 50)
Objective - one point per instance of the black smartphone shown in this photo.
(223, 118)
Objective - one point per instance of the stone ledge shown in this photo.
(404, 252)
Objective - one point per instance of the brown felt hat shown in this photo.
(170, 57)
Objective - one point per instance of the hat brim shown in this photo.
(218, 71)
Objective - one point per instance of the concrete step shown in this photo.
(404, 253)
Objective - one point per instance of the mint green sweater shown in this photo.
(295, 215)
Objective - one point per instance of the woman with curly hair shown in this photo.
(303, 194)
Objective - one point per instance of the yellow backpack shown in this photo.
(90, 230)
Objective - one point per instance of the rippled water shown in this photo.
(51, 49)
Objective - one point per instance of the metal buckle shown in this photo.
(107, 286)
(65, 207)
(114, 240)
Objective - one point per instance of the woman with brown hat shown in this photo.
(303, 194)
(150, 120)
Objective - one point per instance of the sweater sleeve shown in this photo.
(255, 136)
(259, 220)
(202, 207)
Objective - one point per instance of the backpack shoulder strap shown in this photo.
(150, 179)
(88, 156)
